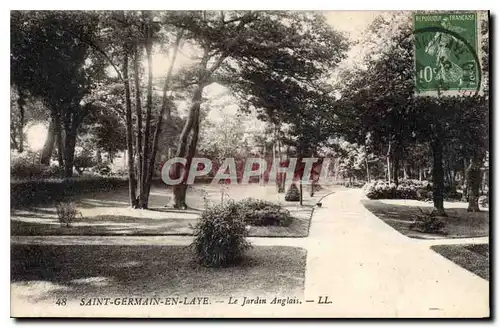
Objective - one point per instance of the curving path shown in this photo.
(371, 270)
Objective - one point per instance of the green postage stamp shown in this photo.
(446, 47)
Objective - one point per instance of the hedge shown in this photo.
(30, 192)
(407, 189)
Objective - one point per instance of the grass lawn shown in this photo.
(475, 258)
(44, 272)
(459, 224)
(108, 213)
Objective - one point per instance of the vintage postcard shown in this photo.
(249, 164)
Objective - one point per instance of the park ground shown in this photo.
(352, 253)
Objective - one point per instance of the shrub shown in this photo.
(484, 201)
(83, 160)
(428, 223)
(407, 189)
(258, 212)
(102, 169)
(67, 212)
(27, 165)
(293, 194)
(220, 236)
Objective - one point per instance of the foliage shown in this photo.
(44, 190)
(223, 138)
(377, 99)
(484, 201)
(67, 212)
(428, 223)
(52, 60)
(26, 165)
(105, 169)
(220, 236)
(84, 159)
(407, 189)
(259, 212)
(293, 194)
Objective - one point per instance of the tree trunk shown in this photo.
(179, 200)
(389, 162)
(300, 192)
(464, 179)
(165, 109)
(138, 113)
(70, 127)
(128, 121)
(368, 178)
(474, 183)
(48, 147)
(21, 102)
(281, 176)
(192, 123)
(179, 190)
(59, 139)
(146, 150)
(98, 156)
(438, 177)
(396, 163)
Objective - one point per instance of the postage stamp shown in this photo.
(446, 52)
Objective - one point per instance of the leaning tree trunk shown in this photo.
(438, 177)
(179, 190)
(48, 146)
(165, 110)
(474, 183)
(128, 118)
(192, 123)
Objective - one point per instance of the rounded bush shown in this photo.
(259, 212)
(293, 194)
(220, 236)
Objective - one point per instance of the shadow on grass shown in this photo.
(458, 224)
(112, 225)
(474, 258)
(105, 225)
(46, 272)
(101, 218)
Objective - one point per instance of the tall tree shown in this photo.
(52, 63)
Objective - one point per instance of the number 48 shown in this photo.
(61, 301)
